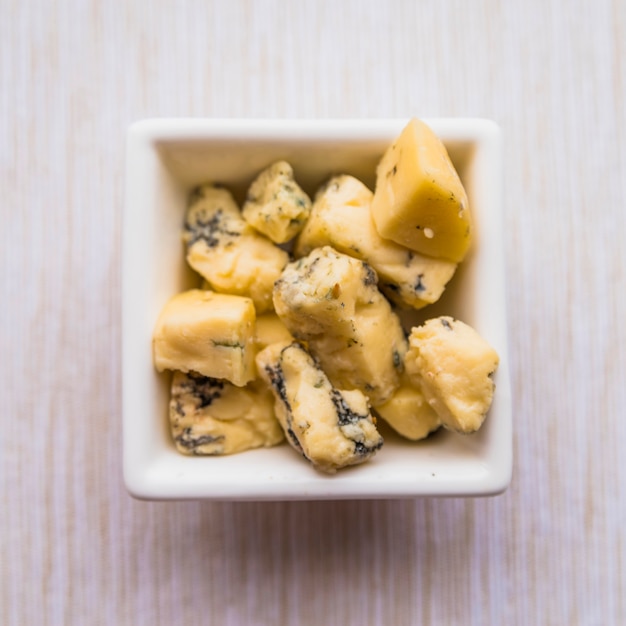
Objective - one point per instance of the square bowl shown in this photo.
(166, 159)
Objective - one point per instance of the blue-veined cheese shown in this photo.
(330, 300)
(232, 256)
(210, 416)
(209, 333)
(453, 365)
(276, 205)
(330, 427)
(341, 218)
(408, 412)
(270, 329)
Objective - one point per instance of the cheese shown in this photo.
(332, 428)
(419, 200)
(276, 205)
(453, 366)
(330, 300)
(341, 218)
(270, 329)
(208, 333)
(408, 412)
(209, 416)
(228, 252)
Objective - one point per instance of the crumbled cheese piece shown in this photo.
(227, 252)
(408, 412)
(276, 205)
(330, 427)
(453, 366)
(331, 301)
(209, 416)
(270, 329)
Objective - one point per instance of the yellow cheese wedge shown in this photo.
(208, 333)
(419, 200)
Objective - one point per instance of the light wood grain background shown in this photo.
(76, 549)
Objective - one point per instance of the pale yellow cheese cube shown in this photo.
(321, 292)
(341, 218)
(408, 412)
(232, 256)
(370, 357)
(337, 220)
(210, 416)
(270, 329)
(453, 365)
(419, 200)
(330, 427)
(209, 333)
(276, 205)
(330, 300)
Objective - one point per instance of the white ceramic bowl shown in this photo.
(166, 158)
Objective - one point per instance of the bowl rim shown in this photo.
(143, 475)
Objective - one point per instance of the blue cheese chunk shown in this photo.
(232, 256)
(330, 300)
(330, 427)
(209, 416)
(408, 412)
(453, 365)
(276, 205)
(341, 218)
(269, 330)
(209, 333)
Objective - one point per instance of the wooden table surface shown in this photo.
(76, 549)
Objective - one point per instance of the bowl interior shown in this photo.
(166, 160)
